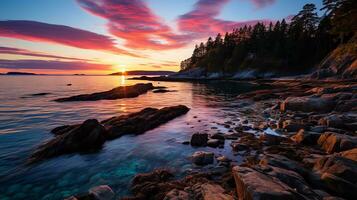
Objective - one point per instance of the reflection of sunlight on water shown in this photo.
(122, 80)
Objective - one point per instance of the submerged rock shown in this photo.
(202, 158)
(116, 93)
(102, 192)
(91, 135)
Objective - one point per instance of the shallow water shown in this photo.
(25, 122)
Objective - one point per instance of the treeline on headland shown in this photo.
(293, 47)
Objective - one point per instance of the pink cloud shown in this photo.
(58, 34)
(135, 22)
(25, 52)
(202, 21)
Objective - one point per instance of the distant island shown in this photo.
(141, 72)
(19, 73)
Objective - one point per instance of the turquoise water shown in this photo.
(25, 122)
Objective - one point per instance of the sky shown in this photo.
(105, 36)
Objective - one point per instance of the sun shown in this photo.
(122, 68)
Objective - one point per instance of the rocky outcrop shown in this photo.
(338, 174)
(341, 63)
(116, 93)
(142, 121)
(91, 135)
(308, 104)
(335, 142)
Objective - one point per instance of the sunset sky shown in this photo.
(104, 36)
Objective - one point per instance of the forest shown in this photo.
(286, 47)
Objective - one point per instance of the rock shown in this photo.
(337, 121)
(291, 126)
(350, 154)
(102, 192)
(218, 136)
(318, 129)
(162, 91)
(142, 121)
(116, 93)
(334, 142)
(199, 140)
(176, 194)
(214, 192)
(270, 139)
(89, 136)
(253, 185)
(202, 158)
(186, 142)
(339, 175)
(308, 104)
(282, 162)
(306, 138)
(213, 143)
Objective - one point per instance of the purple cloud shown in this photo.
(58, 34)
(25, 52)
(52, 64)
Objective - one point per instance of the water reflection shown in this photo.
(25, 123)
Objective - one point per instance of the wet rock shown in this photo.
(308, 104)
(335, 142)
(102, 192)
(338, 175)
(218, 136)
(214, 143)
(214, 192)
(270, 139)
(305, 137)
(176, 194)
(337, 121)
(291, 126)
(162, 91)
(142, 121)
(186, 142)
(251, 184)
(116, 93)
(318, 129)
(199, 139)
(282, 162)
(350, 154)
(202, 158)
(152, 185)
(89, 136)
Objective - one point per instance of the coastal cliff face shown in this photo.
(340, 63)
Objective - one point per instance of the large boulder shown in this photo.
(308, 104)
(214, 192)
(338, 174)
(116, 93)
(89, 136)
(202, 158)
(254, 185)
(142, 121)
(199, 139)
(335, 142)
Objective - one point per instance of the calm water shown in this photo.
(25, 122)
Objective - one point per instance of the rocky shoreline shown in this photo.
(299, 142)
